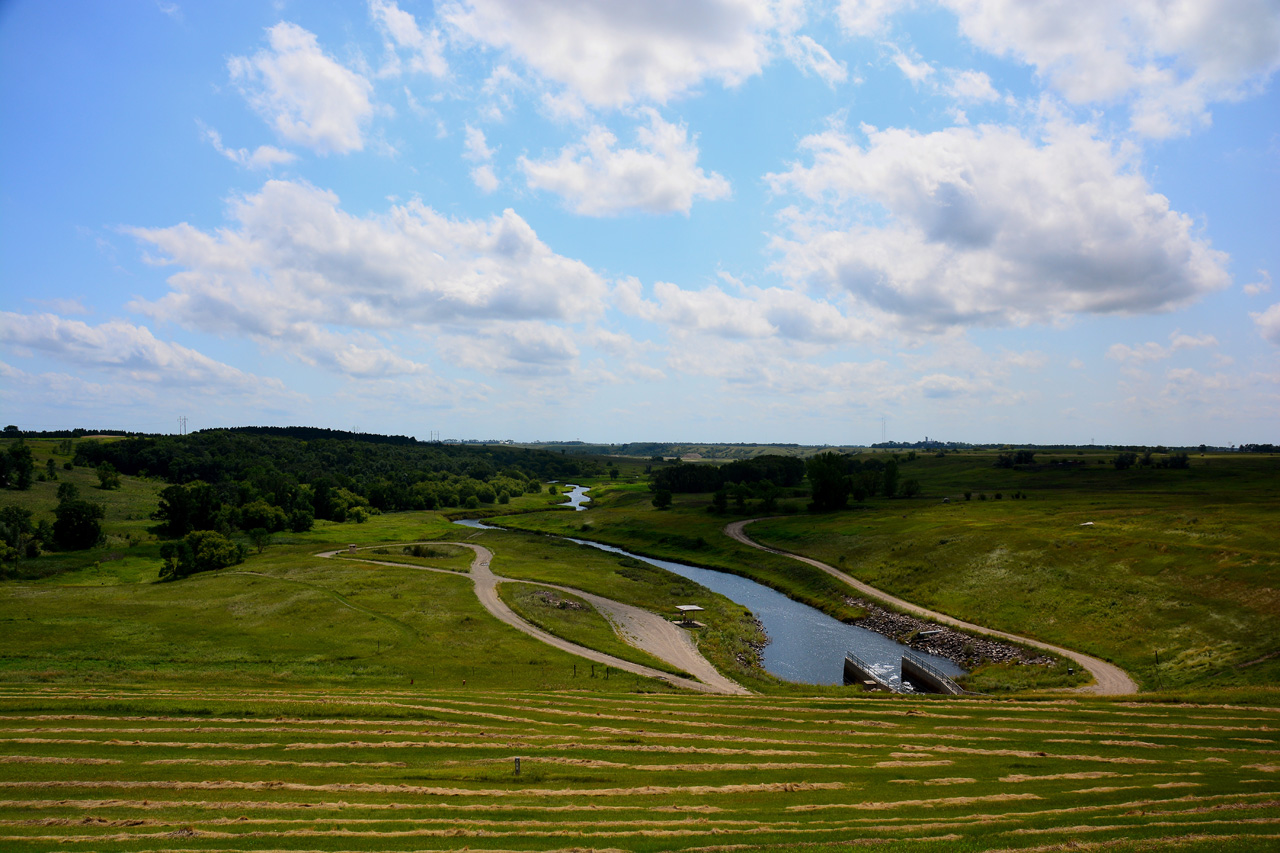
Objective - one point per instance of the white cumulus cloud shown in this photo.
(988, 226)
(811, 57)
(400, 28)
(303, 93)
(754, 313)
(1168, 59)
(262, 157)
(1261, 286)
(974, 86)
(1268, 323)
(292, 257)
(659, 175)
(615, 52)
(130, 352)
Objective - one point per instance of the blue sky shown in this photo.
(702, 220)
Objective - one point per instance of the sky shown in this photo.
(810, 221)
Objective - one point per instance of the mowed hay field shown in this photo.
(232, 770)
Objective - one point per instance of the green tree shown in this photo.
(21, 466)
(720, 501)
(199, 551)
(260, 514)
(16, 528)
(302, 519)
(662, 499)
(77, 524)
(182, 509)
(768, 493)
(911, 488)
(260, 537)
(889, 478)
(108, 476)
(50, 469)
(828, 481)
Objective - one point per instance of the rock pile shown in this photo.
(550, 599)
(963, 649)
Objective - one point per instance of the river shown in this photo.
(805, 644)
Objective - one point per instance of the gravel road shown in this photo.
(646, 631)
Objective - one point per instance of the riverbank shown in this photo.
(968, 651)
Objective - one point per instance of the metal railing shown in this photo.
(866, 668)
(932, 670)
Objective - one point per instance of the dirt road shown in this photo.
(646, 631)
(1109, 680)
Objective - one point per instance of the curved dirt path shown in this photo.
(647, 631)
(1109, 679)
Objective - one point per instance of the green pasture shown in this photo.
(283, 617)
(1130, 566)
(181, 769)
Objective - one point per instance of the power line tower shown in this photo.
(182, 425)
(435, 436)
(883, 428)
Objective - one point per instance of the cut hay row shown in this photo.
(100, 770)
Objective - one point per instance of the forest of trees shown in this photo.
(783, 471)
(273, 479)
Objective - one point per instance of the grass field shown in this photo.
(297, 703)
(180, 770)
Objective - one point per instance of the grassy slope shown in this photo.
(285, 617)
(284, 769)
(1180, 563)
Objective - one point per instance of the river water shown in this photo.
(805, 645)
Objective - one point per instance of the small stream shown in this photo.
(806, 645)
